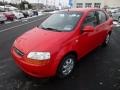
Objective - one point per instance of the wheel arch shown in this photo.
(62, 58)
(68, 53)
(71, 53)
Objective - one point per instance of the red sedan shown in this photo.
(60, 41)
(9, 15)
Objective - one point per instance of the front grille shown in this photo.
(20, 53)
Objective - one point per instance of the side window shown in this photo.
(101, 16)
(90, 19)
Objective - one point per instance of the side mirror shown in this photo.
(88, 29)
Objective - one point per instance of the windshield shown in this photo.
(62, 21)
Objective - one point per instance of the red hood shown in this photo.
(40, 40)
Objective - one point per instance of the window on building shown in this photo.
(79, 5)
(97, 5)
(87, 5)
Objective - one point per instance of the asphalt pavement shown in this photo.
(99, 70)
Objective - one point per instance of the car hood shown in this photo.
(40, 40)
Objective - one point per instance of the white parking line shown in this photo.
(7, 22)
(18, 26)
(2, 74)
(1, 67)
(5, 60)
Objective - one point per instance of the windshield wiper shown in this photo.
(48, 28)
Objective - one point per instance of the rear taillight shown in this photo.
(111, 21)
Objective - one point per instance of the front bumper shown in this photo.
(39, 71)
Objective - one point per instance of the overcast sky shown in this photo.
(63, 2)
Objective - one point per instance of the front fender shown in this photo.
(59, 57)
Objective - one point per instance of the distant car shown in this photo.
(30, 13)
(110, 13)
(48, 10)
(25, 13)
(60, 41)
(18, 15)
(9, 15)
(115, 13)
(2, 18)
(35, 12)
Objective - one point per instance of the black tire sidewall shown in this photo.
(2, 22)
(118, 19)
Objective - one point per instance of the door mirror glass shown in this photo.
(88, 29)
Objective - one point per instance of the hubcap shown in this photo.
(68, 66)
(107, 39)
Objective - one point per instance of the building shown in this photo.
(7, 8)
(37, 6)
(95, 3)
(112, 3)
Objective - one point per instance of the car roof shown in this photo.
(83, 9)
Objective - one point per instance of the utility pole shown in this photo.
(54, 2)
(20, 4)
(46, 3)
(38, 5)
(4, 4)
(60, 6)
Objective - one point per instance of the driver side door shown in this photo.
(87, 39)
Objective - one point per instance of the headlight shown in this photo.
(39, 55)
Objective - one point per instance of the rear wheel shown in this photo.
(66, 66)
(107, 39)
(119, 19)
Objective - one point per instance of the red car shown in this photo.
(60, 41)
(9, 15)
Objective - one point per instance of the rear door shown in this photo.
(102, 27)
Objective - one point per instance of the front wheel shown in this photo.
(66, 66)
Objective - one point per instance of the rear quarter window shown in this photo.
(102, 17)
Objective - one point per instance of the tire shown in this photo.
(118, 19)
(11, 19)
(66, 66)
(107, 39)
(2, 22)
